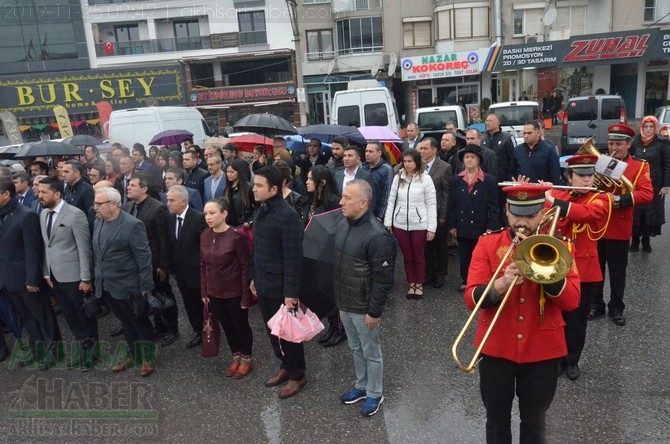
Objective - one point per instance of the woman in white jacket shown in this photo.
(411, 214)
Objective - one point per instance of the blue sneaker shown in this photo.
(371, 406)
(353, 396)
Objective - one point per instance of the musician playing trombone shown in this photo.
(584, 216)
(526, 344)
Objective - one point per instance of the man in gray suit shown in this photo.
(68, 263)
(122, 269)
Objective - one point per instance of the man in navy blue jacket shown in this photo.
(535, 158)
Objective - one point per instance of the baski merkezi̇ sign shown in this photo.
(436, 66)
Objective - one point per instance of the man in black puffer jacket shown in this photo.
(364, 263)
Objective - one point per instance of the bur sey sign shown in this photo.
(437, 66)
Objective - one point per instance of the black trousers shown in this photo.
(437, 256)
(575, 323)
(38, 318)
(534, 384)
(465, 248)
(193, 304)
(71, 300)
(235, 324)
(292, 355)
(613, 254)
(139, 333)
(168, 319)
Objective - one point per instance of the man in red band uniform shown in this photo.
(524, 349)
(583, 218)
(614, 245)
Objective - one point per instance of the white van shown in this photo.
(365, 103)
(432, 120)
(514, 115)
(140, 125)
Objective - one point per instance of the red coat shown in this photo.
(621, 220)
(519, 336)
(584, 218)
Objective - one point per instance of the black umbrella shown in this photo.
(171, 137)
(82, 140)
(326, 133)
(319, 240)
(8, 152)
(48, 148)
(265, 124)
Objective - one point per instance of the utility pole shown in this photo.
(293, 15)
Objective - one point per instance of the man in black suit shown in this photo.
(155, 217)
(140, 159)
(24, 192)
(175, 176)
(127, 168)
(314, 157)
(195, 176)
(352, 169)
(184, 228)
(77, 192)
(21, 251)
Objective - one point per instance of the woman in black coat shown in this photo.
(647, 219)
(239, 193)
(473, 206)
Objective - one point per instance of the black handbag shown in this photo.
(139, 305)
(159, 302)
(91, 306)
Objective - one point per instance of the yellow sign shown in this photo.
(63, 120)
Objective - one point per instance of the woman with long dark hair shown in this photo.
(224, 273)
(239, 193)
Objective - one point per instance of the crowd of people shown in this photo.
(230, 234)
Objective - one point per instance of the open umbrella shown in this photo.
(380, 133)
(48, 148)
(171, 137)
(266, 124)
(318, 243)
(216, 142)
(82, 140)
(299, 144)
(8, 152)
(326, 133)
(247, 142)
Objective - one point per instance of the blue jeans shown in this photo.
(367, 350)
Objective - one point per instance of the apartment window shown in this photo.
(128, 39)
(656, 11)
(359, 35)
(517, 23)
(252, 28)
(320, 45)
(416, 34)
(572, 18)
(527, 22)
(463, 23)
(187, 35)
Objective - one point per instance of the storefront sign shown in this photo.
(225, 40)
(611, 48)
(438, 66)
(240, 95)
(536, 55)
(660, 49)
(36, 95)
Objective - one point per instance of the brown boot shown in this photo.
(148, 367)
(277, 379)
(122, 365)
(292, 388)
(232, 368)
(246, 364)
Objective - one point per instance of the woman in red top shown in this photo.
(224, 271)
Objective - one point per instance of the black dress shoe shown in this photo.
(337, 338)
(573, 372)
(197, 340)
(618, 319)
(594, 313)
(429, 279)
(326, 335)
(118, 331)
(169, 338)
(439, 282)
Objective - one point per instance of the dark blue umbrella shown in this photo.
(326, 133)
(298, 144)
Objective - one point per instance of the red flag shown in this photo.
(393, 152)
(104, 111)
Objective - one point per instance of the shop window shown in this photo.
(320, 45)
(416, 34)
(252, 28)
(657, 11)
(359, 35)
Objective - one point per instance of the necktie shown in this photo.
(20, 199)
(134, 210)
(50, 219)
(180, 221)
(124, 198)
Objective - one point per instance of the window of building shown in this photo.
(252, 28)
(238, 72)
(128, 39)
(359, 35)
(517, 21)
(572, 18)
(527, 22)
(416, 34)
(187, 35)
(656, 11)
(463, 23)
(320, 45)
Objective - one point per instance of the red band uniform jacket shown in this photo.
(519, 336)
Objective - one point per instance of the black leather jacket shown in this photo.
(364, 263)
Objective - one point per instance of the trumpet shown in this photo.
(601, 181)
(541, 258)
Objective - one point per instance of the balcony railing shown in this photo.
(323, 55)
(360, 50)
(152, 46)
(358, 5)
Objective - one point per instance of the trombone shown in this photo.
(541, 258)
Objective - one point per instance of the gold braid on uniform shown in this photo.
(594, 235)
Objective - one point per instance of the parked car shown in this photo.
(365, 103)
(590, 116)
(432, 120)
(663, 116)
(514, 115)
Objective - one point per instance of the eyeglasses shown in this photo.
(99, 204)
